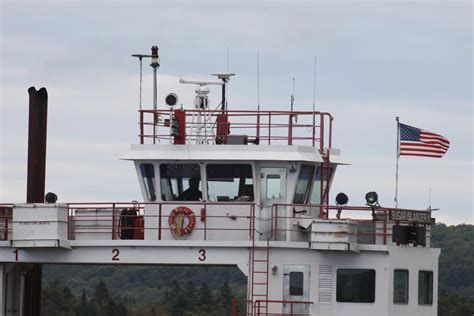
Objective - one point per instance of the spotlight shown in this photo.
(171, 100)
(51, 197)
(341, 199)
(372, 198)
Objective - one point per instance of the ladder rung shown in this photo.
(260, 272)
(260, 283)
(259, 295)
(260, 260)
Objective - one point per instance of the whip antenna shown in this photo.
(227, 60)
(314, 86)
(258, 81)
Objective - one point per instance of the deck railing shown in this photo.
(260, 307)
(374, 224)
(260, 127)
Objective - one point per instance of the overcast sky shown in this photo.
(375, 60)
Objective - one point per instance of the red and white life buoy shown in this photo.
(182, 220)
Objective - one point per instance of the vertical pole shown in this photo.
(155, 90)
(398, 156)
(159, 222)
(142, 131)
(113, 221)
(38, 109)
(258, 96)
(141, 76)
(314, 103)
(269, 126)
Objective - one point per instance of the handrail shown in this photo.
(260, 126)
(108, 222)
(258, 302)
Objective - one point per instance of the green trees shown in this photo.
(187, 300)
(456, 269)
(58, 300)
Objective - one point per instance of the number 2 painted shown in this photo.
(202, 256)
(116, 253)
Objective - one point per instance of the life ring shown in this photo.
(177, 220)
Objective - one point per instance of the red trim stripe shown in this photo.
(422, 155)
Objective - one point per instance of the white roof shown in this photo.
(228, 152)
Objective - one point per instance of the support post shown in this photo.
(398, 157)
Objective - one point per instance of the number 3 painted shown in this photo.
(202, 253)
(116, 253)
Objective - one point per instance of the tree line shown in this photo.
(179, 300)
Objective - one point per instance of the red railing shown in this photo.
(108, 221)
(377, 215)
(264, 304)
(267, 127)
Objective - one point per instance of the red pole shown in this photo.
(269, 126)
(113, 221)
(290, 129)
(142, 137)
(234, 307)
(5, 233)
(159, 223)
(205, 223)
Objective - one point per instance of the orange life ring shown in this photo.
(177, 220)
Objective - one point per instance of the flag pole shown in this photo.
(398, 156)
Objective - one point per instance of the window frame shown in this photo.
(431, 289)
(371, 296)
(318, 167)
(206, 177)
(300, 289)
(307, 194)
(180, 186)
(407, 292)
(149, 183)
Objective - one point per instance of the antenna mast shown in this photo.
(258, 81)
(314, 86)
(155, 64)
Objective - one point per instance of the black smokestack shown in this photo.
(37, 145)
(35, 185)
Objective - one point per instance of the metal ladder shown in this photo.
(259, 274)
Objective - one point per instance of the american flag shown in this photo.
(419, 142)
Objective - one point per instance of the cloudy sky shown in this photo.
(375, 60)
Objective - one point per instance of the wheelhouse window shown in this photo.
(226, 182)
(425, 287)
(400, 286)
(296, 283)
(321, 173)
(148, 176)
(355, 286)
(180, 182)
(303, 184)
(273, 186)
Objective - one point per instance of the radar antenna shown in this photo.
(201, 130)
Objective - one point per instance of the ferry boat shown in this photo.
(245, 188)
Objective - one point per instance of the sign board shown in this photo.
(410, 216)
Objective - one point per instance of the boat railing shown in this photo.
(108, 217)
(236, 126)
(373, 222)
(103, 220)
(246, 307)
